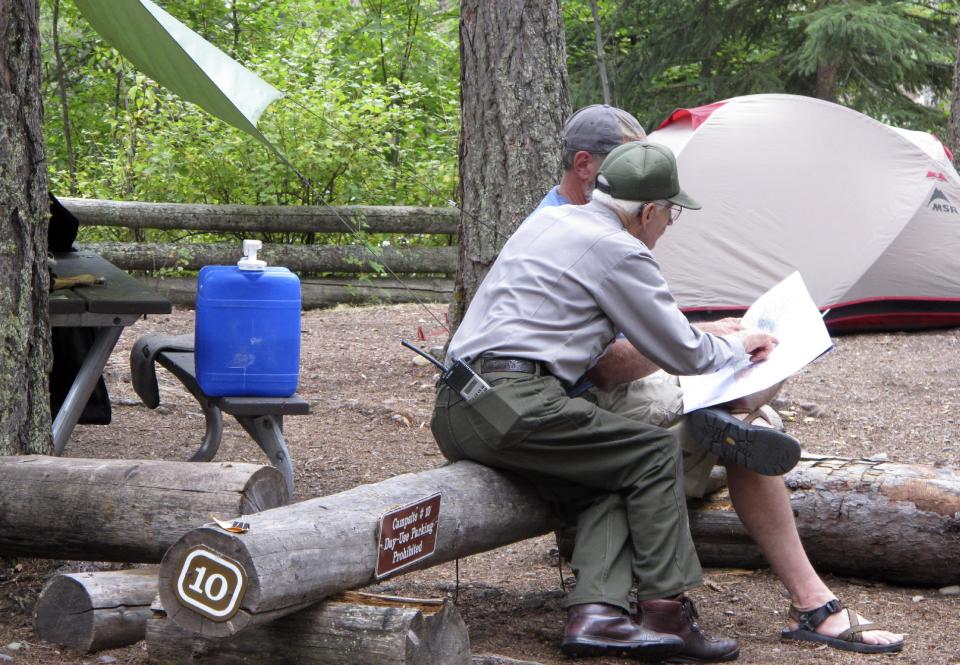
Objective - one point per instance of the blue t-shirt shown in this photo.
(553, 198)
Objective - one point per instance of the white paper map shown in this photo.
(787, 312)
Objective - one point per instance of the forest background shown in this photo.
(371, 108)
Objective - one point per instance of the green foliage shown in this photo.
(890, 59)
(371, 107)
(370, 113)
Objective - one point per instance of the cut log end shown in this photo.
(64, 614)
(94, 611)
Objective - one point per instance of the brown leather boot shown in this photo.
(679, 617)
(594, 629)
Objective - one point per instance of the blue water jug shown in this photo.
(248, 328)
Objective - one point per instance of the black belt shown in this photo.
(487, 365)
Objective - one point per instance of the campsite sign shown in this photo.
(407, 535)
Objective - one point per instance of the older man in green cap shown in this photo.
(562, 286)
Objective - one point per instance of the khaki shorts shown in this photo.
(658, 400)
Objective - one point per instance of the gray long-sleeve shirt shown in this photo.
(565, 283)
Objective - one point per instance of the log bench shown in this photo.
(261, 417)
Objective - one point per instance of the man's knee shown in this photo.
(757, 399)
(656, 456)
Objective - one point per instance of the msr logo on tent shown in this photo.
(940, 203)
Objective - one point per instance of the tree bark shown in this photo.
(893, 522)
(318, 292)
(250, 219)
(955, 106)
(25, 330)
(353, 629)
(121, 510)
(514, 99)
(299, 258)
(897, 523)
(93, 611)
(827, 82)
(307, 551)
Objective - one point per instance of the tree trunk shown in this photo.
(514, 99)
(62, 91)
(328, 291)
(827, 82)
(121, 510)
(251, 219)
(601, 60)
(897, 523)
(307, 551)
(93, 611)
(353, 629)
(894, 522)
(955, 106)
(25, 330)
(298, 258)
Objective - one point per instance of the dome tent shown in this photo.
(869, 214)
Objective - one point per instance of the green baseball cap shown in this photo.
(643, 171)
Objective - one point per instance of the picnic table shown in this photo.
(109, 306)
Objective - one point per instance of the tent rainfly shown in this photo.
(869, 214)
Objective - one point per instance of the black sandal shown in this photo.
(849, 640)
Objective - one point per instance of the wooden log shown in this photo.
(870, 519)
(351, 629)
(147, 256)
(249, 219)
(328, 292)
(894, 522)
(298, 555)
(121, 510)
(99, 610)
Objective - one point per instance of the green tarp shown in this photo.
(182, 61)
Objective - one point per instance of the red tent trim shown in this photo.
(698, 115)
(870, 314)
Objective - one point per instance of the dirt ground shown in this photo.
(883, 393)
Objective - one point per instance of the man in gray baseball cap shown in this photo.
(589, 135)
(562, 286)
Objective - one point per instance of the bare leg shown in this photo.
(764, 508)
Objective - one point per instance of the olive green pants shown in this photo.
(621, 479)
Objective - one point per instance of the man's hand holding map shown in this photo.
(786, 311)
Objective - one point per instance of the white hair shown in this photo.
(628, 208)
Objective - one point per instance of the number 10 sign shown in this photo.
(210, 584)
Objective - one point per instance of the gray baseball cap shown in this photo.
(600, 128)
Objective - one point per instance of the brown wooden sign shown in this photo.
(407, 535)
(210, 584)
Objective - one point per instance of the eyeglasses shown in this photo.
(674, 209)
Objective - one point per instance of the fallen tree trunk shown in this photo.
(872, 519)
(894, 522)
(147, 256)
(121, 510)
(93, 611)
(327, 292)
(249, 219)
(351, 629)
(305, 552)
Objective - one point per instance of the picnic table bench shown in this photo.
(115, 301)
(261, 417)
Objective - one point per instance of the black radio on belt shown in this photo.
(465, 381)
(460, 377)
